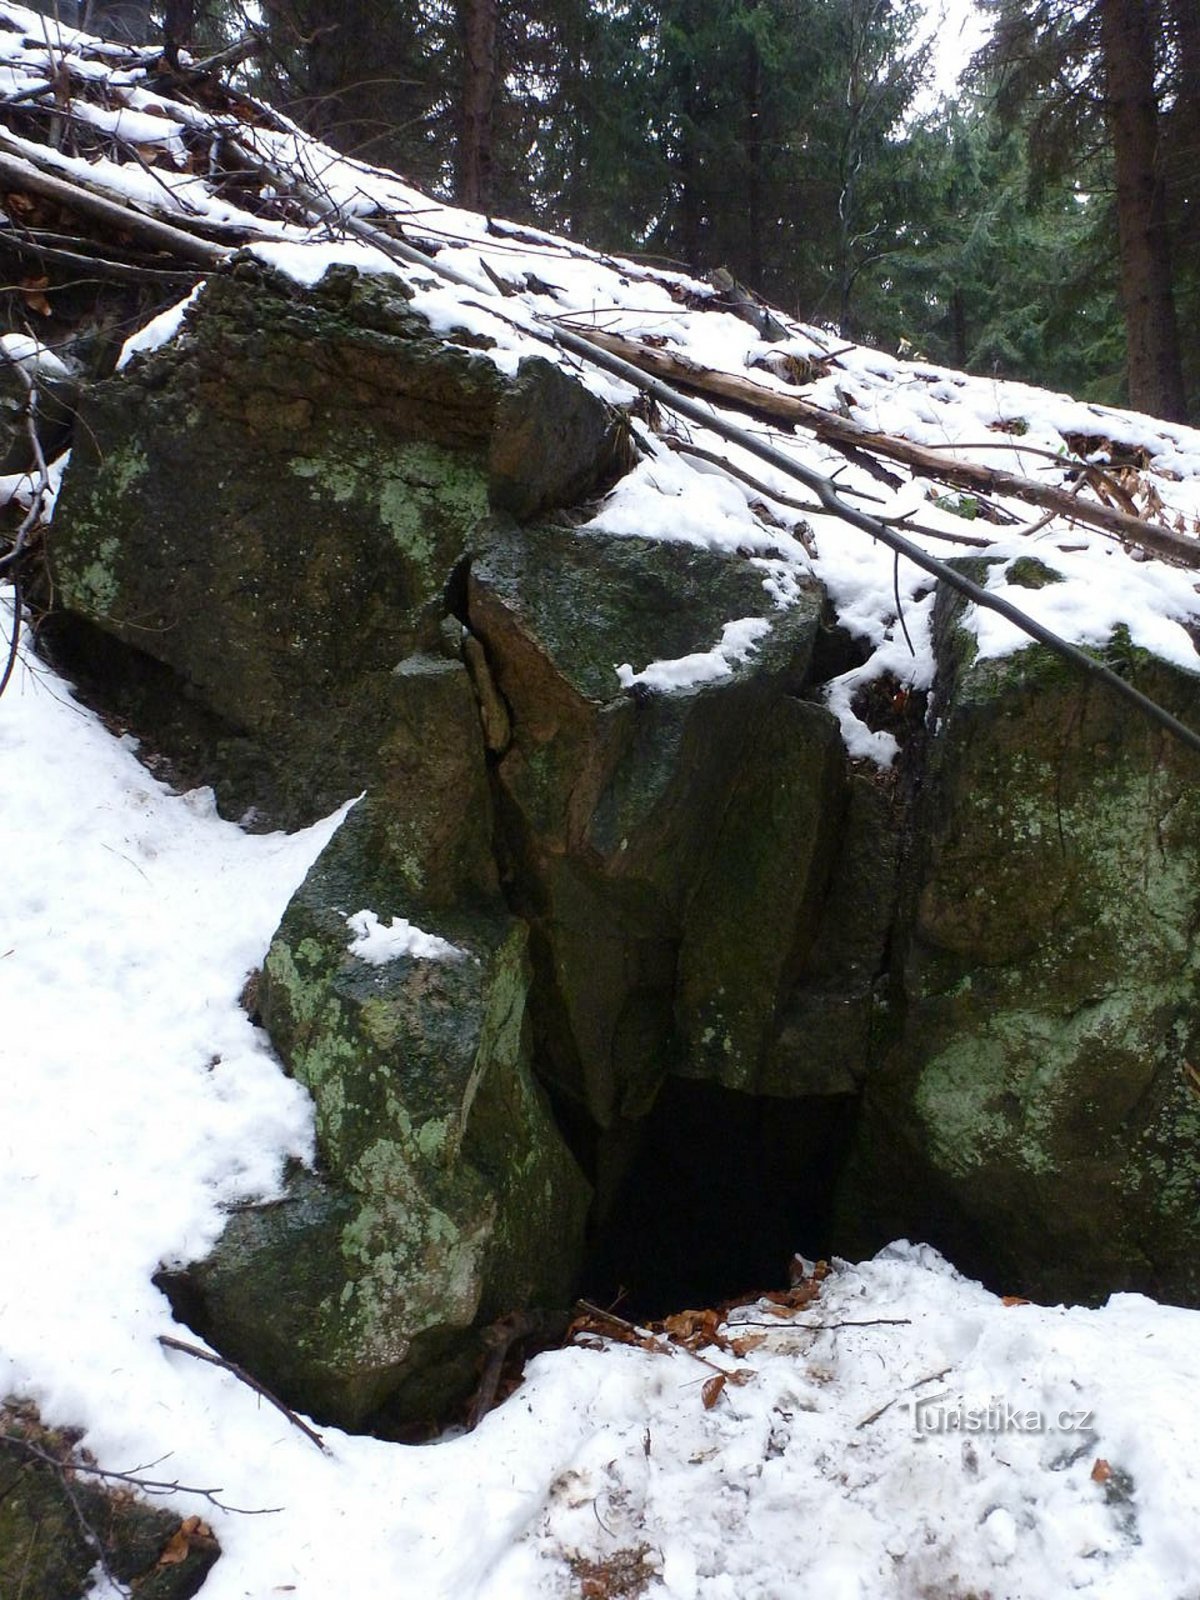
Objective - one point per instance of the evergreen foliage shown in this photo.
(778, 139)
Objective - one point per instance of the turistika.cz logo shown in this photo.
(939, 1415)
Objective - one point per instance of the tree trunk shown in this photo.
(755, 161)
(1131, 108)
(179, 18)
(126, 20)
(477, 23)
(1181, 137)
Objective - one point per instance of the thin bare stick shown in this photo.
(824, 1327)
(810, 507)
(251, 1383)
(933, 1377)
(134, 1479)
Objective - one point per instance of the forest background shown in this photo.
(1042, 222)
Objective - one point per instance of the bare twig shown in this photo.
(646, 1338)
(151, 1486)
(810, 507)
(874, 1416)
(232, 56)
(825, 1327)
(251, 1383)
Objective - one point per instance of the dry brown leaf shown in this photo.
(695, 1329)
(179, 1546)
(712, 1391)
(1101, 1471)
(33, 294)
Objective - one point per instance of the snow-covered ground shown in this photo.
(906, 1434)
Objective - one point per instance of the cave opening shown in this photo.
(722, 1190)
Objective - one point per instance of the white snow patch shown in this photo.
(160, 330)
(739, 639)
(307, 260)
(378, 944)
(22, 351)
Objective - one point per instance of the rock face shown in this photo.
(314, 551)
(639, 827)
(274, 509)
(1036, 1108)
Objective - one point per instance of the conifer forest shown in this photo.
(1041, 220)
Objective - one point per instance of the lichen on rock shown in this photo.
(1034, 1113)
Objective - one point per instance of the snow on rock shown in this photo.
(878, 1447)
(160, 330)
(20, 350)
(377, 944)
(738, 641)
(753, 510)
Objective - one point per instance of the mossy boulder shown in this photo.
(275, 507)
(1036, 1111)
(639, 822)
(444, 1198)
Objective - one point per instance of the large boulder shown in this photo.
(274, 508)
(641, 820)
(1036, 1109)
(444, 1196)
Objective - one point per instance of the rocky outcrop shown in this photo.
(274, 508)
(640, 826)
(445, 1196)
(1035, 1108)
(314, 551)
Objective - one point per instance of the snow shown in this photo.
(22, 350)
(508, 289)
(160, 330)
(738, 641)
(377, 944)
(873, 1450)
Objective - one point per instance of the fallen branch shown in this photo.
(595, 350)
(828, 426)
(133, 1480)
(835, 505)
(18, 173)
(683, 448)
(91, 266)
(251, 1383)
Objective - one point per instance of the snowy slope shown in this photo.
(137, 1101)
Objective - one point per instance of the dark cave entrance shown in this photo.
(722, 1190)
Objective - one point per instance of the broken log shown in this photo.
(745, 395)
